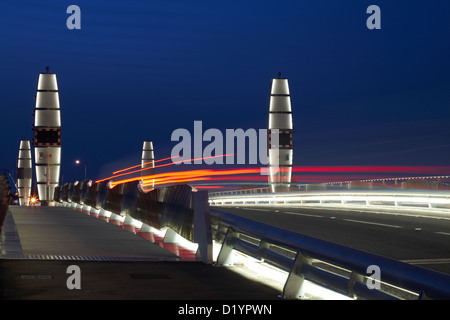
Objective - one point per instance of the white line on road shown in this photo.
(304, 214)
(444, 233)
(428, 261)
(374, 223)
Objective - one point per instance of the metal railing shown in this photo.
(397, 198)
(339, 268)
(176, 207)
(6, 194)
(429, 183)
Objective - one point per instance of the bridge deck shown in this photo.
(39, 243)
(63, 231)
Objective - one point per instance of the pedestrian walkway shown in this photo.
(40, 243)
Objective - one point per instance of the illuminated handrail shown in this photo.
(267, 243)
(431, 199)
(175, 207)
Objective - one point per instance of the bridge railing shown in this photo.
(177, 208)
(5, 196)
(339, 268)
(397, 198)
(433, 183)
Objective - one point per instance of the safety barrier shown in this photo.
(433, 183)
(397, 198)
(178, 208)
(305, 259)
(5, 197)
(339, 268)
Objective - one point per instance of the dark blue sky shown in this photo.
(141, 69)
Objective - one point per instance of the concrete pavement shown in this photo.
(40, 243)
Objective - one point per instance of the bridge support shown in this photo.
(295, 283)
(226, 254)
(202, 226)
(101, 214)
(128, 224)
(115, 219)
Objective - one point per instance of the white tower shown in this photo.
(24, 172)
(47, 137)
(148, 163)
(280, 128)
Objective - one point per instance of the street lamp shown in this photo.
(85, 165)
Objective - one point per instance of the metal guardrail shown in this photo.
(177, 208)
(429, 183)
(5, 196)
(419, 199)
(339, 268)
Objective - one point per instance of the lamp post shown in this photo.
(85, 165)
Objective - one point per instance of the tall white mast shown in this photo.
(280, 129)
(47, 137)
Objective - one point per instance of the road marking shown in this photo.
(427, 261)
(256, 209)
(304, 214)
(374, 223)
(444, 233)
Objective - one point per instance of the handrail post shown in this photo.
(226, 254)
(294, 286)
(202, 226)
(354, 278)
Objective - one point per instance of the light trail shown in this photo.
(139, 165)
(386, 169)
(186, 176)
(242, 174)
(209, 187)
(190, 174)
(162, 165)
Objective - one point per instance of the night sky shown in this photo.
(139, 70)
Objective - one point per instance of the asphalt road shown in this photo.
(419, 240)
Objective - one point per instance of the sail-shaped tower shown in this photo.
(280, 130)
(148, 164)
(24, 172)
(47, 137)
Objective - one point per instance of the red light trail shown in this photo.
(161, 165)
(139, 165)
(378, 169)
(318, 174)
